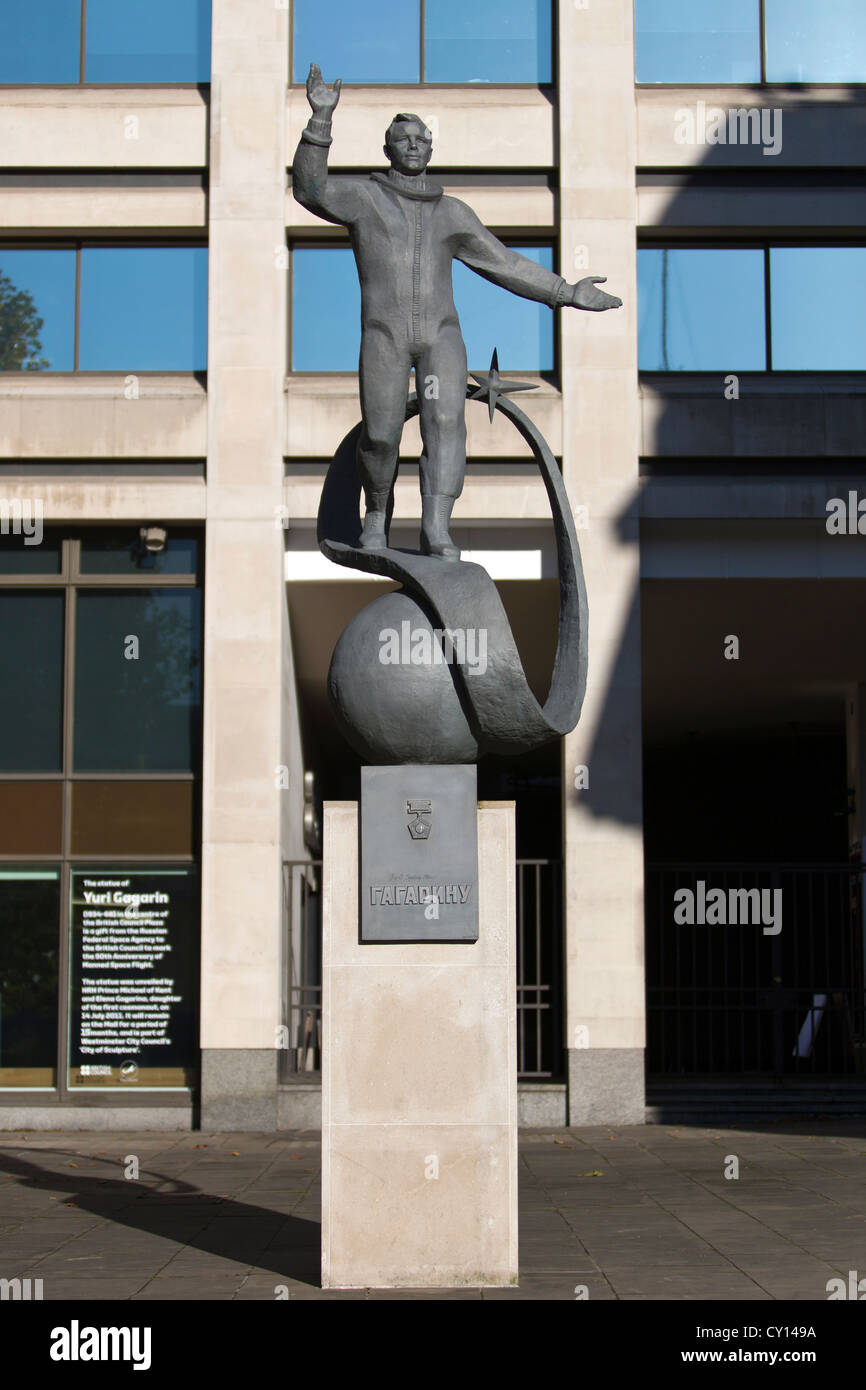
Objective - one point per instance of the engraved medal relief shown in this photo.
(420, 815)
(419, 867)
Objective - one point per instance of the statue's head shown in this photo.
(408, 144)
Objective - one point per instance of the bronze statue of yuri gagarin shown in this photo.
(405, 233)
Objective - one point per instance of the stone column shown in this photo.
(602, 833)
(244, 586)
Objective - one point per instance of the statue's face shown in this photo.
(409, 148)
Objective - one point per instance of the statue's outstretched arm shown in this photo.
(337, 200)
(478, 248)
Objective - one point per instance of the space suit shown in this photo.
(405, 233)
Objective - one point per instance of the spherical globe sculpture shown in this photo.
(388, 708)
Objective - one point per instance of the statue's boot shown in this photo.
(435, 519)
(374, 535)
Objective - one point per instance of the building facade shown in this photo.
(179, 340)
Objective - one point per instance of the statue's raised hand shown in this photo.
(321, 97)
(586, 296)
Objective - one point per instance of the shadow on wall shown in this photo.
(735, 195)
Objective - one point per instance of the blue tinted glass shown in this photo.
(701, 311)
(147, 41)
(37, 311)
(31, 691)
(487, 41)
(808, 42)
(143, 308)
(491, 317)
(326, 315)
(326, 310)
(818, 308)
(41, 41)
(138, 705)
(369, 42)
(697, 41)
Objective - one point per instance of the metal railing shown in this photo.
(539, 951)
(779, 991)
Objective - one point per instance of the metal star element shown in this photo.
(493, 385)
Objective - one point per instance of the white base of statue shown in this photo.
(419, 1084)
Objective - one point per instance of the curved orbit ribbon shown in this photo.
(505, 715)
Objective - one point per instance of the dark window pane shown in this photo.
(37, 311)
(29, 933)
(41, 41)
(147, 41)
(487, 41)
(30, 818)
(697, 41)
(358, 42)
(112, 553)
(326, 315)
(31, 691)
(143, 308)
(138, 713)
(701, 310)
(807, 42)
(132, 818)
(19, 557)
(818, 308)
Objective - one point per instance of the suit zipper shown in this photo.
(416, 277)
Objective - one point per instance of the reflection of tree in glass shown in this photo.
(20, 326)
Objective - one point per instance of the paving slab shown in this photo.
(639, 1212)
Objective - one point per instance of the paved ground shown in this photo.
(634, 1213)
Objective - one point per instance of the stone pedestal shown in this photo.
(419, 1084)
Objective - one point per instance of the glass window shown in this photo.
(31, 691)
(818, 308)
(142, 817)
(326, 310)
(809, 42)
(29, 934)
(143, 308)
(491, 317)
(37, 310)
(136, 41)
(147, 41)
(326, 315)
(31, 817)
(487, 41)
(107, 552)
(18, 554)
(137, 680)
(357, 42)
(504, 41)
(701, 310)
(698, 41)
(41, 41)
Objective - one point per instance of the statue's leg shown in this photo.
(441, 376)
(384, 384)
